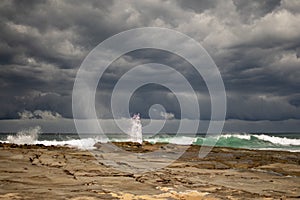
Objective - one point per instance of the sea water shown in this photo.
(263, 141)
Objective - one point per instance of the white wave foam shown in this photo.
(240, 136)
(189, 140)
(157, 140)
(30, 136)
(278, 140)
(86, 143)
(26, 136)
(182, 140)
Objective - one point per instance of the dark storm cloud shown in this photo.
(255, 44)
(250, 10)
(60, 33)
(198, 5)
(151, 94)
(41, 48)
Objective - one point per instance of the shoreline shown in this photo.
(60, 172)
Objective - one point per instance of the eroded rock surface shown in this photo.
(40, 172)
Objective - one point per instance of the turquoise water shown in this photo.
(282, 141)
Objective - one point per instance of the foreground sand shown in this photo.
(39, 172)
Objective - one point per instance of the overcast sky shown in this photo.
(255, 44)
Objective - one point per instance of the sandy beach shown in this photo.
(51, 172)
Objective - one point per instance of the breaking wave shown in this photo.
(248, 141)
(26, 136)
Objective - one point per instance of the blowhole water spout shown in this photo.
(136, 129)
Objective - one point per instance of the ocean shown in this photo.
(262, 141)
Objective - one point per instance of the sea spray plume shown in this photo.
(25, 136)
(136, 129)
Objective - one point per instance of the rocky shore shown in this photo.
(51, 172)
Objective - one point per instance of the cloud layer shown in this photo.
(39, 114)
(255, 44)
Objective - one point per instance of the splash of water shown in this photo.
(26, 136)
(136, 129)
